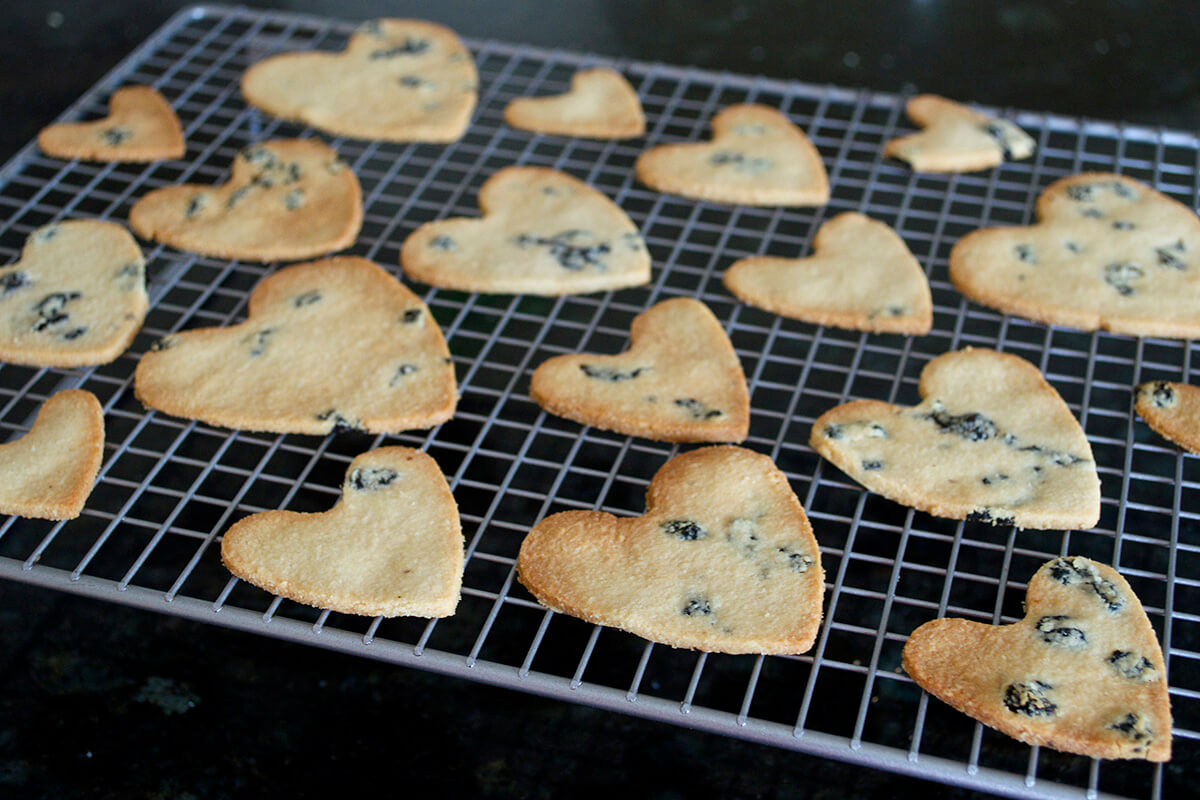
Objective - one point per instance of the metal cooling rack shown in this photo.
(168, 488)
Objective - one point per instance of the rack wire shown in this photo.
(168, 487)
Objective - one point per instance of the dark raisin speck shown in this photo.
(1134, 726)
(1052, 630)
(988, 480)
(872, 465)
(1029, 698)
(293, 199)
(165, 343)
(410, 47)
(340, 424)
(115, 135)
(697, 409)
(684, 529)
(1080, 192)
(1119, 275)
(1168, 256)
(443, 243)
(410, 81)
(1132, 666)
(402, 371)
(1093, 213)
(13, 281)
(1123, 225)
(50, 309)
(833, 431)
(973, 427)
(1024, 252)
(574, 249)
(751, 165)
(306, 299)
(1072, 571)
(195, 205)
(611, 374)
(1162, 395)
(259, 342)
(986, 515)
(372, 478)
(696, 606)
(410, 316)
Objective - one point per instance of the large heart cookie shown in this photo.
(862, 277)
(956, 139)
(679, 381)
(140, 126)
(332, 345)
(991, 441)
(542, 232)
(286, 199)
(392, 547)
(1082, 672)
(400, 80)
(76, 297)
(756, 157)
(1172, 410)
(1108, 253)
(600, 105)
(48, 473)
(724, 559)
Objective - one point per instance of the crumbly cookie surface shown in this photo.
(332, 345)
(1107, 253)
(1172, 410)
(392, 546)
(757, 156)
(76, 297)
(956, 139)
(991, 441)
(600, 105)
(679, 381)
(286, 199)
(399, 80)
(1082, 672)
(862, 276)
(140, 126)
(724, 559)
(542, 232)
(48, 473)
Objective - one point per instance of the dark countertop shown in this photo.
(106, 701)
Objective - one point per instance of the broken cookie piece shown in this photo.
(1172, 410)
(992, 442)
(140, 126)
(1082, 672)
(391, 547)
(679, 381)
(956, 139)
(600, 105)
(724, 559)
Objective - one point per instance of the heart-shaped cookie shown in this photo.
(956, 139)
(599, 105)
(991, 441)
(76, 297)
(400, 80)
(542, 232)
(333, 345)
(679, 381)
(1107, 253)
(48, 473)
(140, 126)
(1082, 672)
(286, 199)
(1172, 410)
(724, 559)
(862, 276)
(757, 157)
(392, 547)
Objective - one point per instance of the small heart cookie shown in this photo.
(724, 559)
(399, 80)
(957, 139)
(48, 473)
(140, 126)
(76, 297)
(991, 441)
(1082, 672)
(1107, 253)
(392, 546)
(679, 381)
(542, 232)
(599, 105)
(862, 276)
(286, 199)
(757, 157)
(1172, 410)
(329, 346)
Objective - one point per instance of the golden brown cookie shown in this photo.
(991, 441)
(679, 381)
(599, 105)
(1107, 253)
(723, 560)
(956, 139)
(391, 547)
(542, 232)
(286, 199)
(140, 126)
(862, 276)
(1172, 410)
(76, 297)
(48, 473)
(756, 157)
(1082, 672)
(332, 345)
(400, 80)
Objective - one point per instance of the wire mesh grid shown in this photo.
(169, 487)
